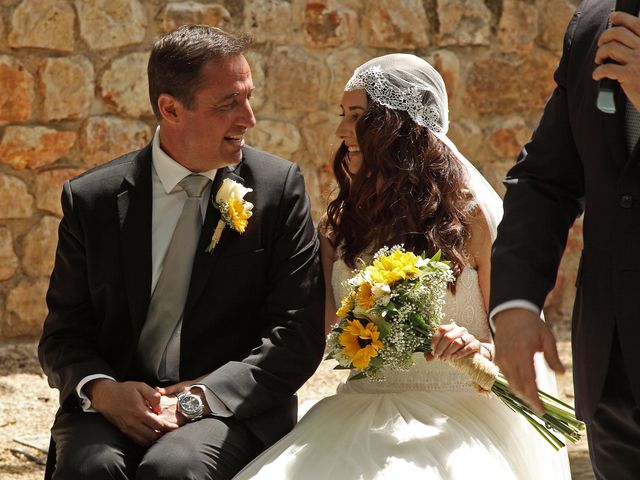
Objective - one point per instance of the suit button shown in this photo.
(626, 200)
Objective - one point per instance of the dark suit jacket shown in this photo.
(253, 320)
(577, 159)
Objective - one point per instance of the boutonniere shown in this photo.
(234, 210)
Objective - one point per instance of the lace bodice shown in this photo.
(466, 308)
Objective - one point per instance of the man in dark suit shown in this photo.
(235, 338)
(580, 159)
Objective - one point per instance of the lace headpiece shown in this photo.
(401, 81)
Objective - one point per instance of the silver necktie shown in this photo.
(631, 126)
(168, 298)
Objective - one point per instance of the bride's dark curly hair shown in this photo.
(410, 189)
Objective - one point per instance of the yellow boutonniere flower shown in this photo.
(234, 210)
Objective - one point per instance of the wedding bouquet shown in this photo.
(393, 307)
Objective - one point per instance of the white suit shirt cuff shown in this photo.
(519, 303)
(85, 403)
(216, 406)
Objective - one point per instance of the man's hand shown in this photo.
(176, 388)
(133, 407)
(621, 43)
(520, 333)
(169, 411)
(168, 399)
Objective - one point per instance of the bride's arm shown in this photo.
(454, 341)
(479, 249)
(327, 253)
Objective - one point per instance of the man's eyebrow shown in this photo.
(233, 95)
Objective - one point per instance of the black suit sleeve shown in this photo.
(66, 350)
(545, 192)
(292, 336)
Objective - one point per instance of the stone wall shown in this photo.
(73, 95)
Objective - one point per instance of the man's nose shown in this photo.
(248, 119)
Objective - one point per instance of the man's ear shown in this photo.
(169, 107)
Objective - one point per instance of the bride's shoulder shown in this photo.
(325, 233)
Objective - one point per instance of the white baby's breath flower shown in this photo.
(381, 293)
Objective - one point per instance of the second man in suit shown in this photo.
(580, 159)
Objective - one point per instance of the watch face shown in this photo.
(190, 404)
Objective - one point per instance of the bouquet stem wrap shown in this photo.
(482, 372)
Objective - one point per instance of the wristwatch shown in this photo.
(190, 406)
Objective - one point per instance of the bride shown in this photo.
(401, 180)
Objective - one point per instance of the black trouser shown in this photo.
(614, 431)
(89, 447)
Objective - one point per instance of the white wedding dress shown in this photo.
(425, 423)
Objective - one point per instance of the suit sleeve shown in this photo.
(292, 339)
(545, 194)
(67, 349)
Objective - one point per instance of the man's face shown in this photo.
(212, 130)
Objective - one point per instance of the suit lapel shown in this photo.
(134, 213)
(203, 261)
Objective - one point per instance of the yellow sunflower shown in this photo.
(346, 305)
(365, 297)
(395, 266)
(238, 214)
(360, 343)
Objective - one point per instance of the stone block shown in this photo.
(8, 258)
(319, 134)
(467, 137)
(259, 95)
(16, 91)
(111, 23)
(518, 27)
(508, 138)
(276, 137)
(125, 87)
(40, 247)
(15, 200)
(175, 14)
(297, 80)
(270, 21)
(106, 137)
(34, 147)
(26, 308)
(43, 24)
(66, 85)
(554, 16)
(464, 22)
(396, 24)
(325, 26)
(342, 64)
(49, 188)
(497, 86)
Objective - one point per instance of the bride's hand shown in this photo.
(452, 341)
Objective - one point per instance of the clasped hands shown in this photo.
(141, 412)
(452, 341)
